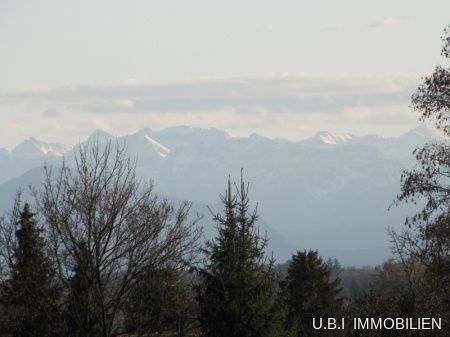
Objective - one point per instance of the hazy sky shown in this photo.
(284, 69)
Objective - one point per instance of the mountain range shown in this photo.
(329, 192)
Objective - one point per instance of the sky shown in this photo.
(281, 69)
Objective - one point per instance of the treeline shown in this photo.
(354, 281)
(99, 254)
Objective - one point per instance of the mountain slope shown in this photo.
(329, 192)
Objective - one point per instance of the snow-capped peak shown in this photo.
(332, 139)
(33, 147)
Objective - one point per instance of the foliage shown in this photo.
(432, 99)
(29, 295)
(82, 308)
(310, 293)
(335, 267)
(354, 281)
(400, 290)
(430, 179)
(238, 285)
(161, 303)
(427, 240)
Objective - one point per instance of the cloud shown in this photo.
(345, 27)
(283, 93)
(270, 27)
(49, 113)
(290, 106)
(395, 115)
(358, 26)
(388, 22)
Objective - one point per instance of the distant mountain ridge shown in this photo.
(326, 192)
(324, 137)
(415, 137)
(173, 137)
(33, 147)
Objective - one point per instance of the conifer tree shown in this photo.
(83, 303)
(30, 294)
(238, 284)
(310, 293)
(160, 303)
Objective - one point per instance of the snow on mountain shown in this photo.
(185, 136)
(144, 146)
(332, 139)
(160, 149)
(420, 134)
(32, 147)
(325, 138)
(393, 148)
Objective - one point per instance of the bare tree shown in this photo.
(427, 238)
(106, 226)
(8, 239)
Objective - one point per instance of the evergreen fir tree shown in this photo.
(30, 295)
(83, 304)
(238, 285)
(310, 293)
(159, 304)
